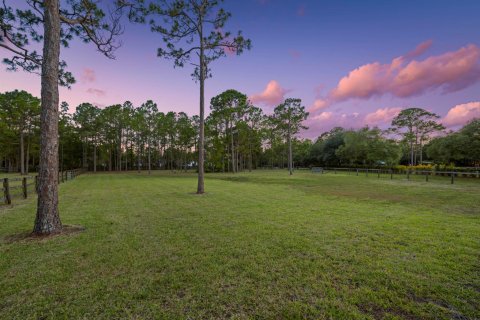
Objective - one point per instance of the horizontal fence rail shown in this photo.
(408, 173)
(21, 187)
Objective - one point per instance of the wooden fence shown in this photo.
(408, 174)
(22, 187)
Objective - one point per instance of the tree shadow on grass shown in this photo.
(67, 230)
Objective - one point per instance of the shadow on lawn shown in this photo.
(29, 236)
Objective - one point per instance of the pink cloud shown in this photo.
(295, 54)
(272, 95)
(327, 120)
(461, 114)
(419, 50)
(404, 77)
(96, 92)
(318, 104)
(301, 10)
(88, 75)
(381, 116)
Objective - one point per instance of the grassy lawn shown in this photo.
(262, 245)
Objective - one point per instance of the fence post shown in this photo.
(366, 172)
(24, 187)
(6, 191)
(378, 176)
(391, 174)
(408, 174)
(357, 172)
(426, 177)
(453, 174)
(335, 170)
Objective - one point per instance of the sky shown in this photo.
(353, 63)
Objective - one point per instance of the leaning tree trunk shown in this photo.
(48, 220)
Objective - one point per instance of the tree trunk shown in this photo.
(22, 153)
(95, 157)
(149, 161)
(47, 219)
(201, 182)
(290, 158)
(110, 159)
(411, 153)
(234, 167)
(27, 155)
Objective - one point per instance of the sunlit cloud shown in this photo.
(273, 94)
(381, 116)
(404, 77)
(461, 114)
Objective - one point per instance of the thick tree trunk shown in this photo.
(48, 220)
(201, 145)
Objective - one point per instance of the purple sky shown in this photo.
(351, 62)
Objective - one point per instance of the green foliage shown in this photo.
(368, 147)
(19, 124)
(21, 28)
(462, 147)
(191, 30)
(415, 125)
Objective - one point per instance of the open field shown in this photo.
(260, 245)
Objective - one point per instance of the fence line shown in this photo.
(391, 172)
(21, 187)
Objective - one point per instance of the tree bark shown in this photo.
(47, 219)
(27, 155)
(149, 161)
(95, 157)
(22, 153)
(201, 182)
(290, 160)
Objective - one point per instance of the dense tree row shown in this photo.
(238, 137)
(125, 137)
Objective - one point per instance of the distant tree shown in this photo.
(324, 149)
(53, 24)
(462, 147)
(229, 107)
(415, 126)
(368, 147)
(20, 112)
(193, 29)
(288, 118)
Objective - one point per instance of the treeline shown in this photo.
(238, 136)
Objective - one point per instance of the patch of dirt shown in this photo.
(30, 236)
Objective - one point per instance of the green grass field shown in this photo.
(261, 245)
